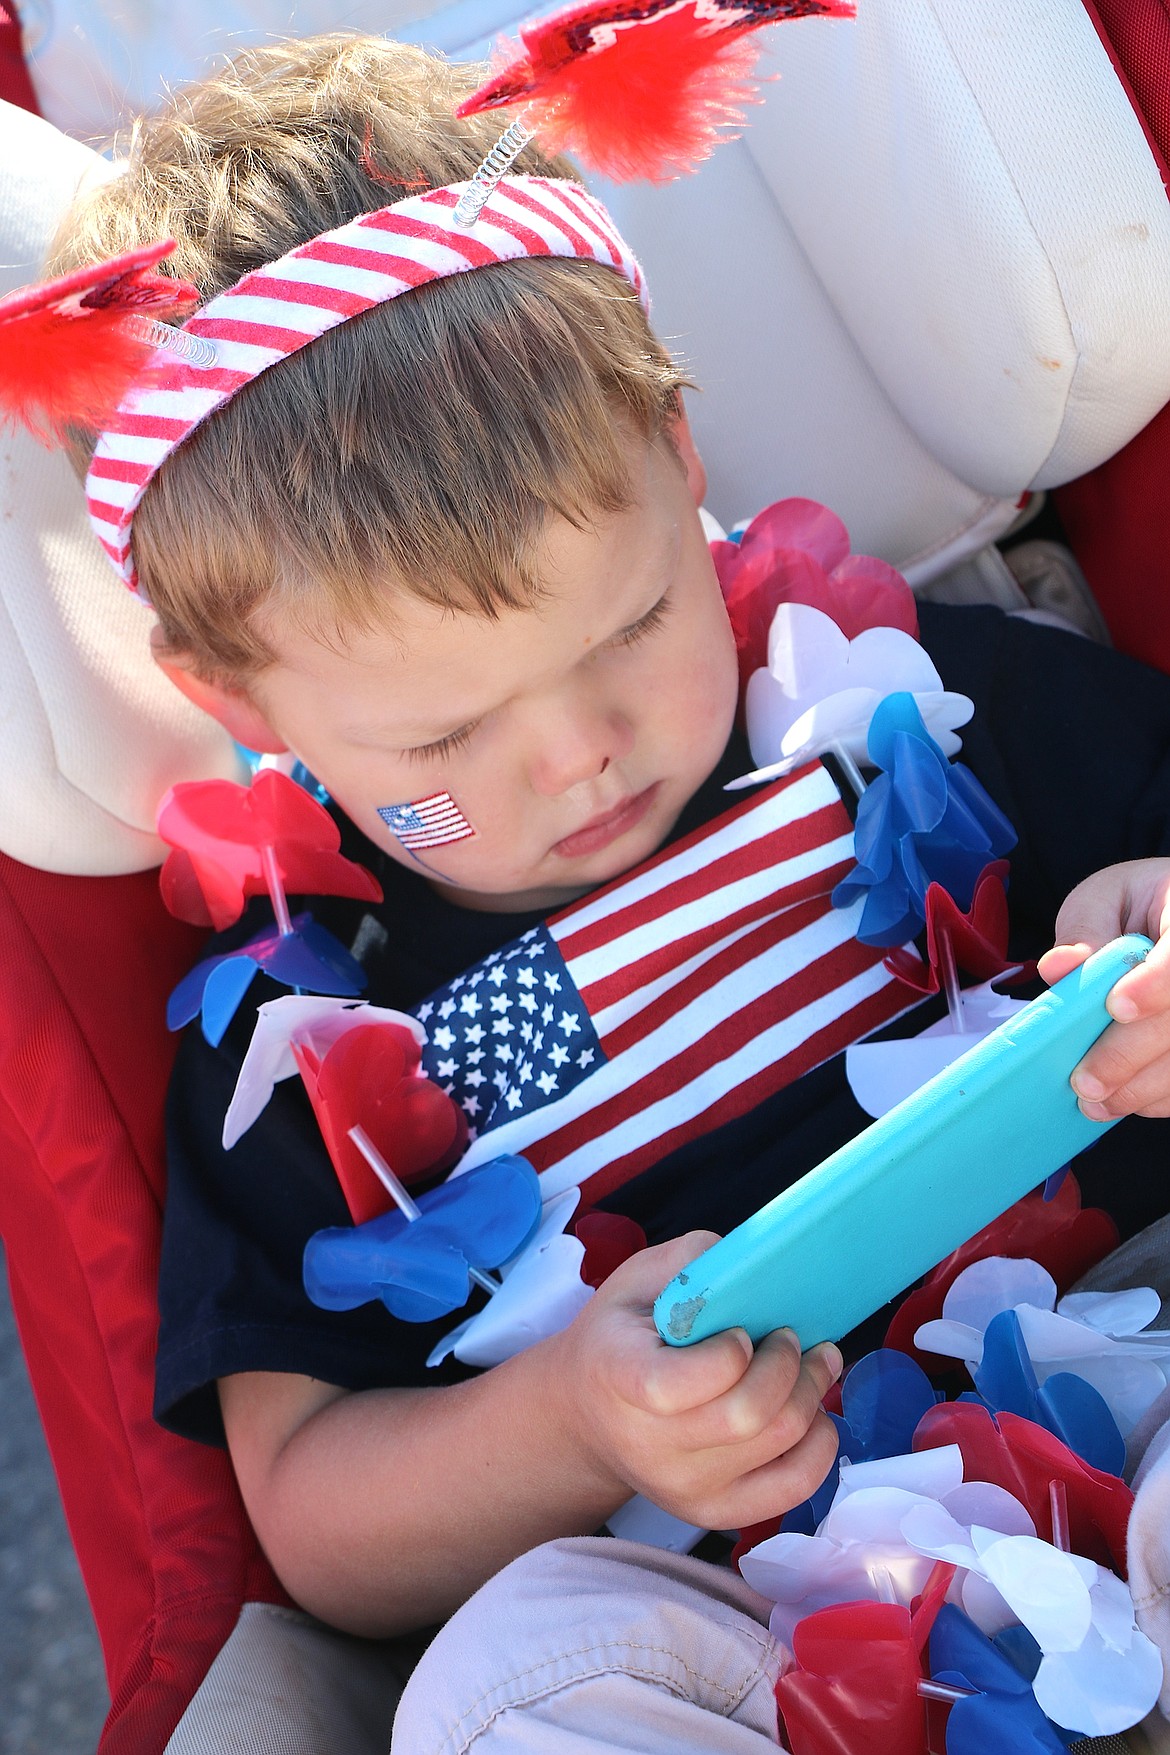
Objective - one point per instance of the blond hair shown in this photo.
(423, 445)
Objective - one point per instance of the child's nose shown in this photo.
(574, 745)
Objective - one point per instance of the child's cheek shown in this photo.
(704, 684)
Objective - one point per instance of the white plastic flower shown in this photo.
(1103, 1337)
(891, 1520)
(882, 1074)
(540, 1294)
(820, 691)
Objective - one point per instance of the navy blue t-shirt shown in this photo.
(1070, 739)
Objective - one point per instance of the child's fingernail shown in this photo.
(1086, 1086)
(745, 1341)
(1095, 1111)
(1121, 1007)
(833, 1359)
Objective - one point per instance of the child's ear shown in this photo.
(684, 443)
(236, 711)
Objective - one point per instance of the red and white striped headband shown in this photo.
(281, 307)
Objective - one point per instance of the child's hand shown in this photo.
(720, 1434)
(1127, 1072)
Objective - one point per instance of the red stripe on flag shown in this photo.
(869, 1015)
(671, 1073)
(608, 989)
(786, 841)
(766, 933)
(822, 824)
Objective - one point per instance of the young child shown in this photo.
(451, 547)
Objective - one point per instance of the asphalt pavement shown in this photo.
(53, 1695)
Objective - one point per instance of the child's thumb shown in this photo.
(1064, 957)
(641, 1277)
(1088, 919)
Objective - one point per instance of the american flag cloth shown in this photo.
(669, 1002)
(428, 822)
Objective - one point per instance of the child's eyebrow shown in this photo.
(408, 740)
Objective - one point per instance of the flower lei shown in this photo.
(957, 1581)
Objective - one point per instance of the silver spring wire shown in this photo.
(196, 350)
(498, 162)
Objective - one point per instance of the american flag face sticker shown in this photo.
(433, 821)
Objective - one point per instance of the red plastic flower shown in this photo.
(978, 939)
(1064, 1237)
(226, 837)
(855, 1682)
(371, 1078)
(608, 1239)
(797, 551)
(1026, 1460)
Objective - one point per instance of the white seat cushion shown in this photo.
(91, 733)
(933, 274)
(96, 64)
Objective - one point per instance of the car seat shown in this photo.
(91, 735)
(913, 291)
(961, 217)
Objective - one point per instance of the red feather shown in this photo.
(67, 351)
(640, 90)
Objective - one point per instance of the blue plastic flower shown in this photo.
(308, 959)
(883, 1397)
(1065, 1404)
(421, 1268)
(923, 820)
(1000, 1713)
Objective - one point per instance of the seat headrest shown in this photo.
(91, 732)
(932, 275)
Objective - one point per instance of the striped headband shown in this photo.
(279, 308)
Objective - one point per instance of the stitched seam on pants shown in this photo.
(732, 1698)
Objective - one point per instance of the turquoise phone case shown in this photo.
(888, 1206)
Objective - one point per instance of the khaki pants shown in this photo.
(591, 1644)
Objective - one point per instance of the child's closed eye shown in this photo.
(649, 624)
(442, 746)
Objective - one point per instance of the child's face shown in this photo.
(569, 735)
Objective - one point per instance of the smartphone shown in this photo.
(889, 1205)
